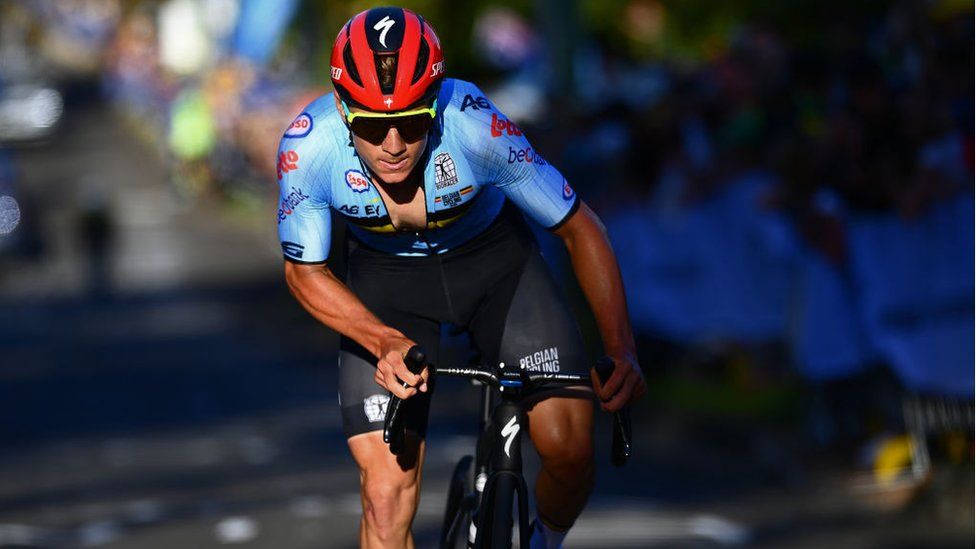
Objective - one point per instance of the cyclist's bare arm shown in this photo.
(333, 304)
(598, 274)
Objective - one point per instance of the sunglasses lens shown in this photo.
(414, 127)
(372, 130)
(411, 128)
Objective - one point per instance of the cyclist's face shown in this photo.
(393, 158)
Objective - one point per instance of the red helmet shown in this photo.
(388, 35)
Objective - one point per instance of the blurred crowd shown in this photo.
(818, 194)
(813, 196)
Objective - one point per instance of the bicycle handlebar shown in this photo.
(393, 423)
(622, 433)
(393, 431)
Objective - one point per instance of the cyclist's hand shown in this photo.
(391, 372)
(625, 385)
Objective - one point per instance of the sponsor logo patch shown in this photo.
(452, 199)
(357, 181)
(476, 103)
(445, 172)
(546, 360)
(526, 155)
(287, 161)
(370, 210)
(449, 200)
(290, 202)
(293, 249)
(501, 125)
(567, 191)
(300, 127)
(375, 407)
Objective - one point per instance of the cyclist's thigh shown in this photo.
(362, 401)
(526, 322)
(375, 461)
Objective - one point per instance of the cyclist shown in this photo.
(432, 180)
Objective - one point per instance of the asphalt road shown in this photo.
(172, 394)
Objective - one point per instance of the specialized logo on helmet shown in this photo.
(357, 181)
(300, 127)
(336, 72)
(375, 407)
(437, 68)
(385, 24)
(445, 172)
(501, 125)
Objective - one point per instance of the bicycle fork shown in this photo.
(506, 482)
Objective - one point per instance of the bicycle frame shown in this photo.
(498, 456)
(498, 466)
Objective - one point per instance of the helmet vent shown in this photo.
(386, 71)
(423, 55)
(350, 64)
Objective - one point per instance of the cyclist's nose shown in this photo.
(393, 144)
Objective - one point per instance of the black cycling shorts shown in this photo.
(496, 286)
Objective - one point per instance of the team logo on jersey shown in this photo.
(375, 407)
(501, 125)
(300, 127)
(453, 198)
(445, 172)
(476, 103)
(526, 155)
(567, 190)
(293, 249)
(357, 181)
(287, 161)
(290, 202)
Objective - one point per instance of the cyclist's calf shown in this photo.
(562, 431)
(390, 488)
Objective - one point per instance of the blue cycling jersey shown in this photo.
(475, 159)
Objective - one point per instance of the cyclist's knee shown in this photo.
(389, 503)
(565, 453)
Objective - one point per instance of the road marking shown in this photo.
(629, 527)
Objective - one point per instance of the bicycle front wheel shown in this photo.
(457, 518)
(496, 520)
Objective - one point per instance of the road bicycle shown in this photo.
(479, 510)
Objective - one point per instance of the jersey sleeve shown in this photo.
(507, 160)
(304, 219)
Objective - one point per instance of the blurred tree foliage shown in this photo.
(677, 30)
(683, 30)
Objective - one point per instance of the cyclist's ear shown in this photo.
(342, 111)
